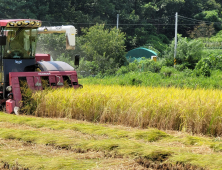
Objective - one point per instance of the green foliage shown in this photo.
(101, 50)
(104, 48)
(141, 13)
(206, 64)
(202, 30)
(167, 71)
(150, 65)
(180, 67)
(55, 45)
(181, 79)
(214, 42)
(157, 43)
(189, 52)
(47, 10)
(99, 41)
(145, 65)
(212, 16)
(123, 70)
(203, 67)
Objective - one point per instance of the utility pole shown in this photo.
(117, 24)
(175, 47)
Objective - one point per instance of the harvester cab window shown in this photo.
(20, 43)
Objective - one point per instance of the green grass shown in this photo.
(60, 142)
(177, 79)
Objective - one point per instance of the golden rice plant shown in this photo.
(197, 111)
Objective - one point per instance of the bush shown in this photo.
(216, 61)
(157, 43)
(203, 67)
(145, 65)
(150, 65)
(167, 71)
(189, 52)
(154, 67)
(188, 72)
(123, 70)
(180, 67)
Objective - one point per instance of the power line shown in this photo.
(196, 20)
(149, 22)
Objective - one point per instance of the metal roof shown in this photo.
(141, 52)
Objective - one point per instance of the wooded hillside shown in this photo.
(143, 21)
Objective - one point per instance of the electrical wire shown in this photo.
(195, 20)
(149, 22)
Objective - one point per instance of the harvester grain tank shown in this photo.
(19, 61)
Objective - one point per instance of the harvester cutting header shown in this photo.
(19, 61)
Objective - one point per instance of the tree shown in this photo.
(104, 47)
(188, 52)
(22, 9)
(202, 30)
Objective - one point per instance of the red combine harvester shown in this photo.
(19, 61)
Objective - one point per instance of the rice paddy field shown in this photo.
(115, 127)
(195, 111)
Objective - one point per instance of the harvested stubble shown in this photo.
(197, 111)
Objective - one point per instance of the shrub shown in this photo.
(123, 70)
(154, 67)
(167, 71)
(144, 65)
(180, 67)
(150, 65)
(189, 52)
(188, 72)
(203, 67)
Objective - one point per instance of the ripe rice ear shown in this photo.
(197, 111)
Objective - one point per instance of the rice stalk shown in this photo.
(197, 111)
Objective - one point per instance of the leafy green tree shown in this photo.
(212, 16)
(189, 52)
(45, 10)
(104, 47)
(22, 9)
(140, 19)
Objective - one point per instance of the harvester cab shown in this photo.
(19, 61)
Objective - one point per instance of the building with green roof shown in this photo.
(138, 53)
